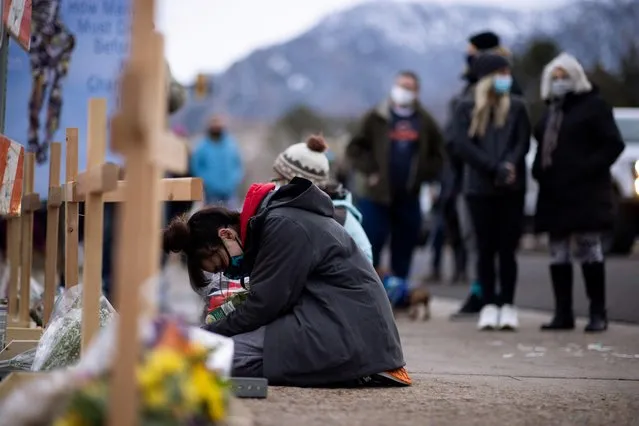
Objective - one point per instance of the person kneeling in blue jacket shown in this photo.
(309, 161)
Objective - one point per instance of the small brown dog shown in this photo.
(418, 299)
(419, 304)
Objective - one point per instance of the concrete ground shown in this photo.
(466, 377)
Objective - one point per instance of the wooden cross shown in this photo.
(54, 201)
(19, 335)
(93, 183)
(138, 133)
(30, 203)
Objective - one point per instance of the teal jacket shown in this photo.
(353, 224)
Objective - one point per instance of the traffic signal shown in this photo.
(202, 88)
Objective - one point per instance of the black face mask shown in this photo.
(215, 134)
(469, 59)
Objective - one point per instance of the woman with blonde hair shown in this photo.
(578, 141)
(490, 133)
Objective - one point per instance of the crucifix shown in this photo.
(54, 201)
(138, 133)
(99, 178)
(20, 330)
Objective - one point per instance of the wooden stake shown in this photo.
(98, 178)
(54, 201)
(72, 213)
(13, 256)
(137, 132)
(30, 203)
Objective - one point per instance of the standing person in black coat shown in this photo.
(478, 44)
(491, 134)
(578, 141)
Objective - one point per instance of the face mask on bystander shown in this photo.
(401, 96)
(502, 84)
(560, 87)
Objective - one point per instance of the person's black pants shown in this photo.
(498, 223)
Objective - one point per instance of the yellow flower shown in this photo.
(155, 397)
(70, 418)
(159, 364)
(209, 390)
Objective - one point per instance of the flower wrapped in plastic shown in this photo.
(20, 362)
(176, 386)
(222, 303)
(61, 341)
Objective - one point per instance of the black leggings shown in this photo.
(498, 223)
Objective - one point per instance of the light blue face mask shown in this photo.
(502, 84)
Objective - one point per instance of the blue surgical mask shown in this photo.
(235, 271)
(502, 84)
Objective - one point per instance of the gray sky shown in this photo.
(209, 35)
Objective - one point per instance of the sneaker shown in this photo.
(471, 307)
(488, 318)
(508, 319)
(397, 377)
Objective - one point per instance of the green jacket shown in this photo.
(369, 149)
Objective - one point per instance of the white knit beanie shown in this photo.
(305, 159)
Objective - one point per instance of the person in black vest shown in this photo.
(578, 141)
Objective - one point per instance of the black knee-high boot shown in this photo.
(561, 276)
(595, 280)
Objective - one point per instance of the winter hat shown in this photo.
(484, 40)
(488, 63)
(306, 160)
(574, 69)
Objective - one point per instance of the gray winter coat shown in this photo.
(328, 319)
(483, 155)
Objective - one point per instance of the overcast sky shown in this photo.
(209, 35)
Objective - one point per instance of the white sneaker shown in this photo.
(508, 319)
(488, 318)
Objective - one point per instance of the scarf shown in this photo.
(551, 134)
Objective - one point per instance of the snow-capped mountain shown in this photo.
(346, 63)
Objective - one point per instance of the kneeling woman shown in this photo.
(317, 313)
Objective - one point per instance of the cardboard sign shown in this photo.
(16, 18)
(11, 175)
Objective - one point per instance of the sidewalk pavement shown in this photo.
(465, 377)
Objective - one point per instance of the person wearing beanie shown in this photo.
(398, 148)
(316, 314)
(216, 160)
(490, 132)
(578, 141)
(308, 160)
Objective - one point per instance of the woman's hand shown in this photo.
(506, 174)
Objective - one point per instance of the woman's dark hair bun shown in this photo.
(177, 236)
(317, 143)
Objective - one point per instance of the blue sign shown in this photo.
(77, 51)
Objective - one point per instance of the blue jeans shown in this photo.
(401, 220)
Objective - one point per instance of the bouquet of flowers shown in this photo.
(223, 302)
(60, 343)
(176, 388)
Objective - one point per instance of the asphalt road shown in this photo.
(534, 289)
